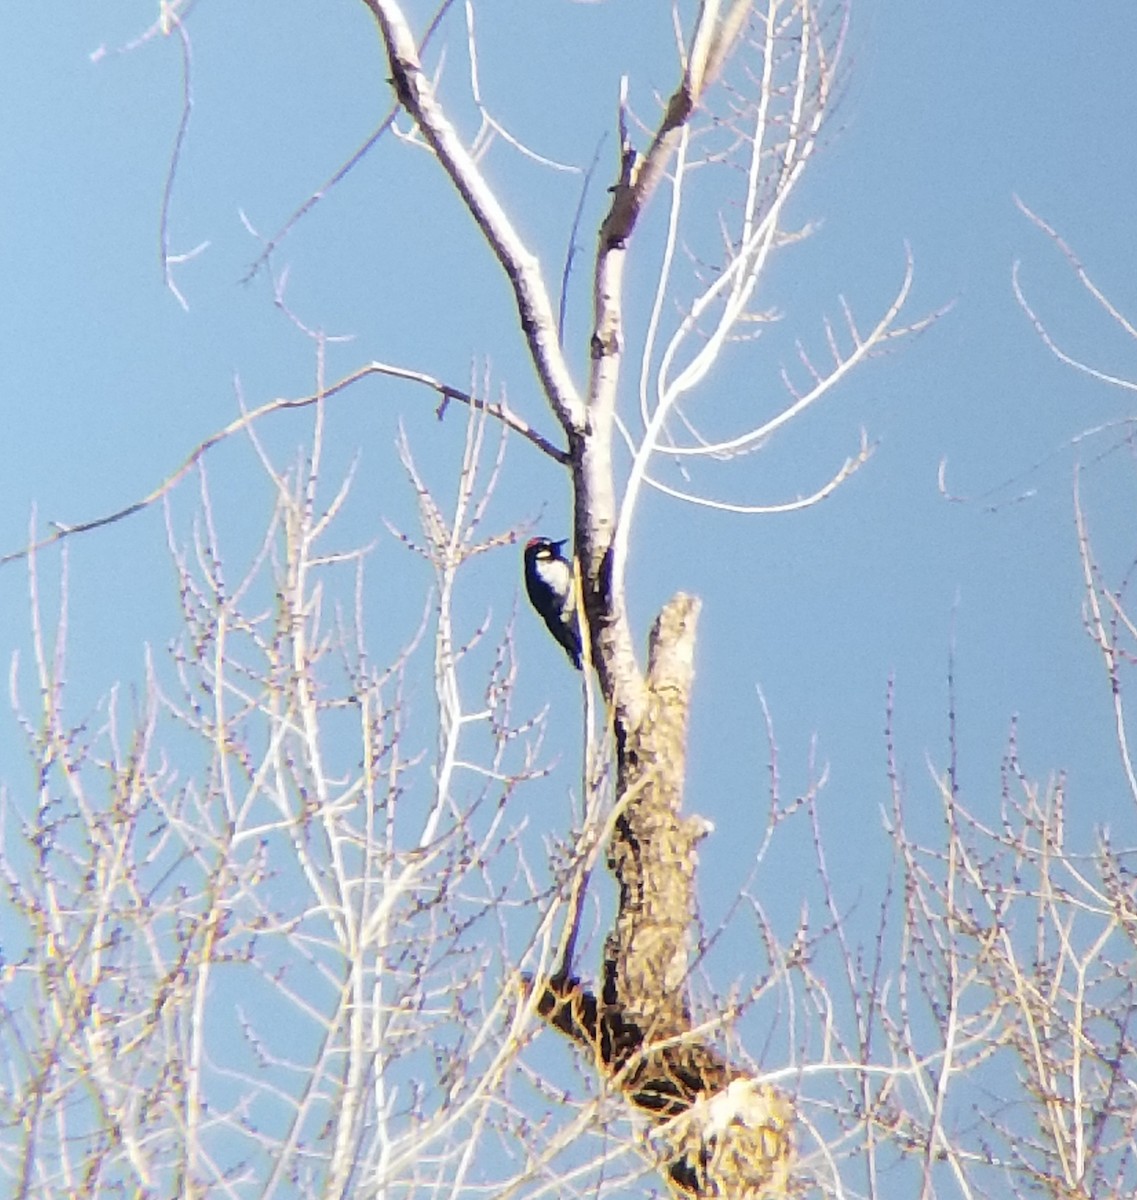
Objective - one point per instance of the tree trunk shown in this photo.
(724, 1134)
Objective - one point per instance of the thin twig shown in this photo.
(497, 410)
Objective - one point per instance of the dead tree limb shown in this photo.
(724, 1133)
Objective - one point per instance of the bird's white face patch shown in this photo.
(554, 571)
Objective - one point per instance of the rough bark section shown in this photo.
(652, 853)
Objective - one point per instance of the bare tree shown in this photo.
(271, 929)
(754, 85)
(1009, 1011)
(243, 918)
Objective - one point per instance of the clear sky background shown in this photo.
(948, 112)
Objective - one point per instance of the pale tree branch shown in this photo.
(848, 468)
(1101, 629)
(176, 23)
(861, 347)
(1104, 615)
(248, 419)
(1049, 342)
(1079, 269)
(535, 311)
(492, 126)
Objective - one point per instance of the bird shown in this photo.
(549, 582)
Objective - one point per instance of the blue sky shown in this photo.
(948, 112)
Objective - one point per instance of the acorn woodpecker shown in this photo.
(548, 580)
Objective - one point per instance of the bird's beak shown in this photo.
(558, 545)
